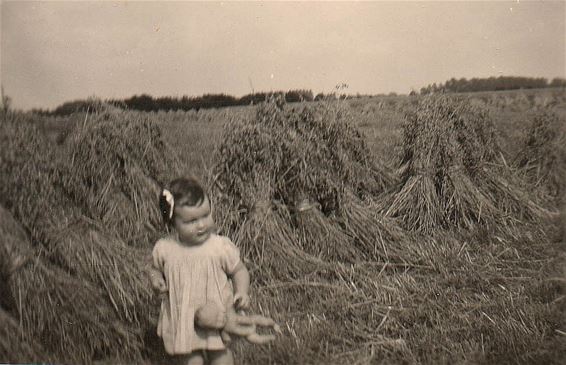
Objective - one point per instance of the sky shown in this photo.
(57, 51)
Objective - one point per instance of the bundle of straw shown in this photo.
(30, 186)
(318, 235)
(226, 212)
(10, 260)
(542, 157)
(465, 204)
(377, 237)
(251, 164)
(115, 156)
(453, 174)
(31, 190)
(307, 172)
(246, 147)
(516, 205)
(15, 347)
(467, 146)
(67, 316)
(267, 240)
(313, 149)
(338, 148)
(480, 139)
(417, 204)
(321, 237)
(28, 175)
(84, 250)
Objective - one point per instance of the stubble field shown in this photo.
(404, 257)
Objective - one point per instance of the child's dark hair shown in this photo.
(184, 191)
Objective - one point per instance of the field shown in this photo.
(476, 285)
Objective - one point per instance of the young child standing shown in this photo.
(193, 266)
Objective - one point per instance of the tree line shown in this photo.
(493, 84)
(148, 103)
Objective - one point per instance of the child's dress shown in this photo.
(195, 275)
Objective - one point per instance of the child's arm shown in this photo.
(241, 282)
(156, 277)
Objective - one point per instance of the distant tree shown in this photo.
(486, 84)
(71, 107)
(142, 102)
(254, 98)
(145, 102)
(319, 96)
(292, 96)
(557, 82)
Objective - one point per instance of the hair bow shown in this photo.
(169, 199)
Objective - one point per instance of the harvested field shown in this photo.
(394, 230)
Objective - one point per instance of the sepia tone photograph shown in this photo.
(274, 182)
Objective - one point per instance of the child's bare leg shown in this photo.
(221, 357)
(194, 358)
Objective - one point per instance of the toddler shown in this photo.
(192, 268)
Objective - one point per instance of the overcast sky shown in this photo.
(52, 52)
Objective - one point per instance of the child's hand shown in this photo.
(241, 301)
(159, 285)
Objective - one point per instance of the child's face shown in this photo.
(194, 224)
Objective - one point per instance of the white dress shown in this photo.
(195, 275)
